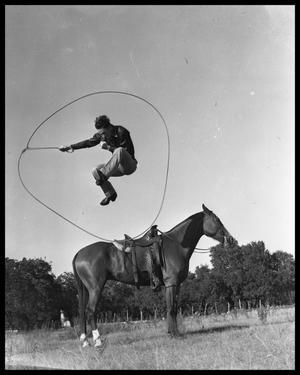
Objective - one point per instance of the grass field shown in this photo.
(230, 341)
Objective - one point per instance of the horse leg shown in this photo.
(83, 297)
(176, 309)
(91, 309)
(171, 299)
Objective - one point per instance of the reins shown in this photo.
(197, 249)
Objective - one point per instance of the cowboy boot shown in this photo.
(108, 190)
(110, 196)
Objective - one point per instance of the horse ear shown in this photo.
(205, 209)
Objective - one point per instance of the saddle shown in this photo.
(152, 241)
(128, 243)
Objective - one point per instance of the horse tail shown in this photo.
(82, 295)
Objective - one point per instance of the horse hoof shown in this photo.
(85, 344)
(98, 344)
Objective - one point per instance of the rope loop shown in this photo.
(57, 148)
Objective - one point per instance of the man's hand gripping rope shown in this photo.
(66, 149)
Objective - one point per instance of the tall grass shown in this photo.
(240, 340)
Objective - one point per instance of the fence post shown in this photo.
(141, 312)
(228, 307)
(216, 308)
(205, 309)
(155, 314)
(240, 305)
(127, 315)
(192, 310)
(62, 318)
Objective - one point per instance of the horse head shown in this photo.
(214, 228)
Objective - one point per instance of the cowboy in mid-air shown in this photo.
(117, 140)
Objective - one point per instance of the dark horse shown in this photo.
(94, 264)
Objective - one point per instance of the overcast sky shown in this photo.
(222, 77)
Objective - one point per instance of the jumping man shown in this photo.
(117, 140)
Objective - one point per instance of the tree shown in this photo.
(282, 278)
(68, 300)
(226, 274)
(208, 287)
(31, 293)
(250, 273)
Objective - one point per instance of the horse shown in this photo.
(96, 263)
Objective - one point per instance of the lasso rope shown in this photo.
(57, 148)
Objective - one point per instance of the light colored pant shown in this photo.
(121, 163)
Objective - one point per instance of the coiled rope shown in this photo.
(57, 148)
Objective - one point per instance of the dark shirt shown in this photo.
(120, 138)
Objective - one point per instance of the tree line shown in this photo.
(239, 276)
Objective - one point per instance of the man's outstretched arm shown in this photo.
(83, 144)
(95, 140)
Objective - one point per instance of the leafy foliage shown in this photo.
(31, 293)
(68, 300)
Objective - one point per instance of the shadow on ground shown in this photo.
(204, 331)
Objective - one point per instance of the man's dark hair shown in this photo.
(102, 122)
